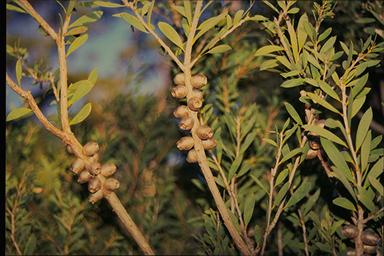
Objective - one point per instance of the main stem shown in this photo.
(202, 158)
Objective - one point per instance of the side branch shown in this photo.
(47, 28)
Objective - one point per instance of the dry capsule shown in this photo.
(94, 185)
(78, 166)
(186, 123)
(185, 143)
(84, 176)
(192, 156)
(111, 184)
(199, 81)
(179, 79)
(195, 103)
(94, 168)
(349, 231)
(204, 132)
(108, 169)
(93, 198)
(91, 148)
(370, 238)
(370, 249)
(181, 112)
(209, 144)
(179, 91)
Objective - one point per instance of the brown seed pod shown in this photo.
(84, 177)
(314, 145)
(195, 103)
(94, 185)
(209, 144)
(197, 94)
(204, 132)
(370, 238)
(94, 168)
(78, 166)
(93, 198)
(185, 143)
(311, 154)
(179, 91)
(370, 249)
(111, 184)
(95, 158)
(91, 148)
(186, 123)
(199, 81)
(349, 231)
(108, 169)
(192, 156)
(351, 252)
(181, 112)
(179, 79)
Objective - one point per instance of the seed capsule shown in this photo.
(185, 143)
(111, 184)
(349, 231)
(91, 148)
(181, 112)
(197, 93)
(179, 79)
(204, 132)
(94, 158)
(186, 123)
(195, 103)
(192, 156)
(370, 238)
(351, 252)
(311, 154)
(369, 249)
(108, 169)
(199, 81)
(93, 198)
(179, 91)
(209, 144)
(94, 168)
(84, 177)
(94, 185)
(78, 166)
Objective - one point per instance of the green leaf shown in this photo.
(171, 34)
(367, 199)
(79, 41)
(208, 24)
(15, 8)
(30, 246)
(377, 185)
(281, 177)
(280, 195)
(258, 182)
(336, 157)
(293, 39)
(324, 133)
(248, 141)
(250, 202)
(268, 64)
(19, 71)
(188, 10)
(299, 194)
(291, 154)
(79, 90)
(18, 113)
(235, 166)
(377, 168)
(328, 45)
(344, 203)
(82, 114)
(93, 76)
(107, 4)
(293, 113)
(365, 150)
(356, 105)
(328, 90)
(312, 199)
(132, 20)
(301, 34)
(292, 83)
(318, 100)
(220, 49)
(325, 34)
(363, 127)
(268, 49)
(237, 17)
(88, 18)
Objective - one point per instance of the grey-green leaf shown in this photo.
(132, 20)
(77, 43)
(18, 113)
(363, 128)
(220, 49)
(344, 203)
(171, 34)
(82, 114)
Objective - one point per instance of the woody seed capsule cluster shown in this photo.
(194, 97)
(369, 238)
(91, 171)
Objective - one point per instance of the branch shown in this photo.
(153, 33)
(45, 26)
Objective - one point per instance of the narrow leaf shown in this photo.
(77, 43)
(171, 34)
(82, 114)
